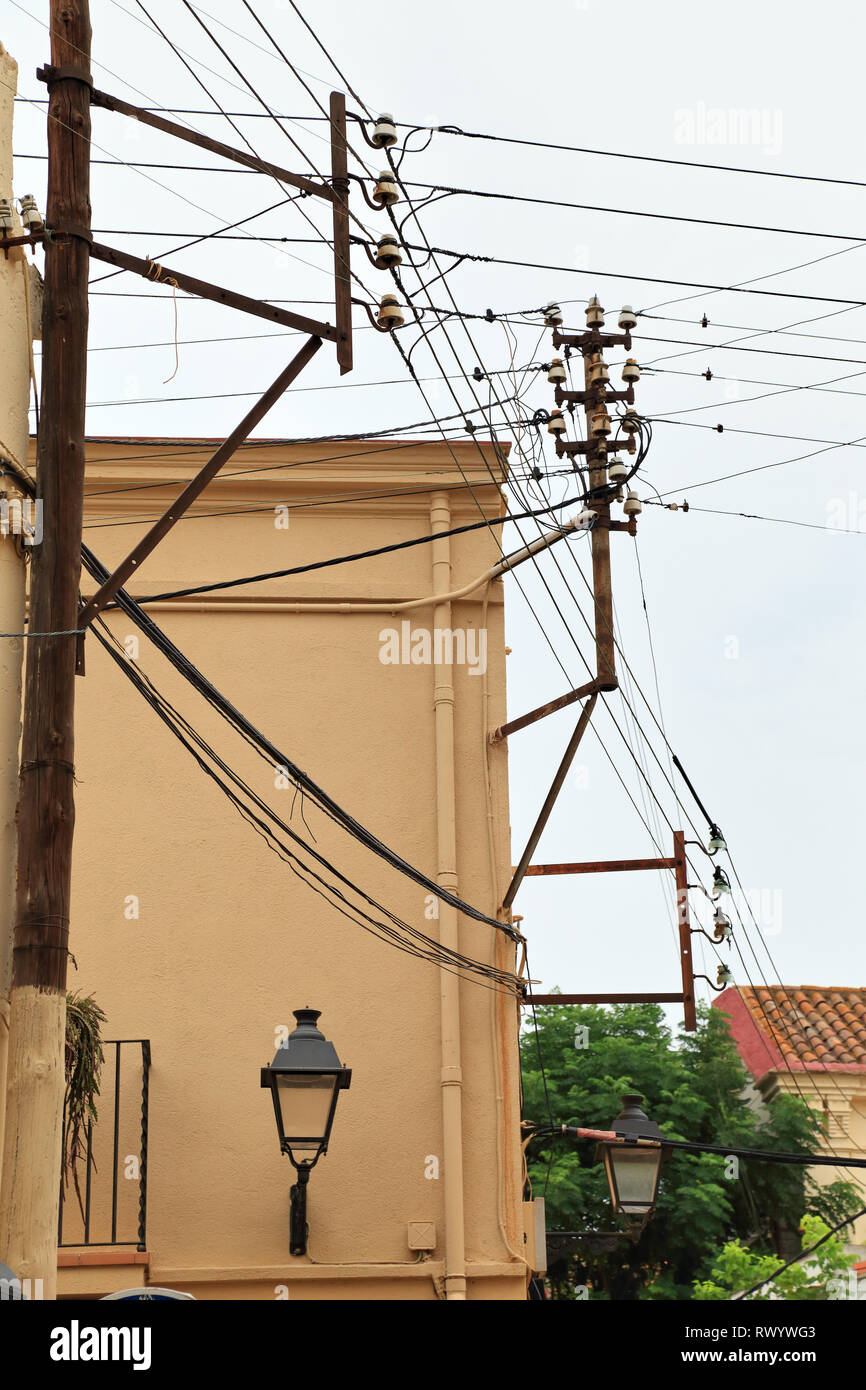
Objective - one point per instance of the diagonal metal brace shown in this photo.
(194, 137)
(192, 490)
(550, 799)
(158, 274)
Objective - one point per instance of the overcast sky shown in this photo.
(757, 627)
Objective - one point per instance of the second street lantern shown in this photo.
(632, 1168)
(305, 1080)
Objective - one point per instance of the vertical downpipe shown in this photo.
(446, 877)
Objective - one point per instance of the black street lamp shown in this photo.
(633, 1169)
(305, 1080)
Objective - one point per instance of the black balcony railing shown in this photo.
(111, 1207)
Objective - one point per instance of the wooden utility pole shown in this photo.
(32, 1156)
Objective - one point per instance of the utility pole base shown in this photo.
(37, 1084)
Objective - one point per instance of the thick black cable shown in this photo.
(357, 555)
(275, 757)
(430, 950)
(807, 1160)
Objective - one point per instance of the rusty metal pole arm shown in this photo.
(542, 711)
(600, 866)
(161, 275)
(197, 485)
(550, 800)
(604, 999)
(204, 142)
(681, 873)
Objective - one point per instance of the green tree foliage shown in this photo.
(693, 1090)
(823, 1275)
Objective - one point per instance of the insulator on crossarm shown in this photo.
(630, 422)
(7, 221)
(632, 505)
(630, 371)
(390, 314)
(30, 214)
(556, 374)
(599, 423)
(616, 471)
(388, 253)
(385, 193)
(384, 131)
(594, 313)
(556, 423)
(627, 318)
(552, 315)
(598, 373)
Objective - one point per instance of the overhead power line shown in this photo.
(625, 275)
(642, 158)
(762, 434)
(544, 145)
(361, 554)
(453, 191)
(756, 516)
(632, 212)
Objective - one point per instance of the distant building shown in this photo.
(809, 1041)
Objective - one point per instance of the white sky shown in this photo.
(758, 627)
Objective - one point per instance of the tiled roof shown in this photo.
(802, 1028)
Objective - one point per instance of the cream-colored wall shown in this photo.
(841, 1098)
(228, 941)
(14, 397)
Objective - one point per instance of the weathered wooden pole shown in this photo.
(32, 1153)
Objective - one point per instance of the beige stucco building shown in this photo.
(194, 935)
(809, 1042)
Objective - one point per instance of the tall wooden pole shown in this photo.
(32, 1154)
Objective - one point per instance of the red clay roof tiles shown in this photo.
(805, 1028)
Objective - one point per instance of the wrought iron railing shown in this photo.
(111, 1203)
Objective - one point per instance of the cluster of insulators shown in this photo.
(385, 193)
(31, 217)
(599, 377)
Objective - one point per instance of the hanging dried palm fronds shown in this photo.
(84, 1058)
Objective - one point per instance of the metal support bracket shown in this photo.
(550, 799)
(678, 863)
(260, 308)
(542, 711)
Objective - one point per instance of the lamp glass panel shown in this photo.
(636, 1172)
(305, 1106)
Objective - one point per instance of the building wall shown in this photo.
(841, 1098)
(14, 399)
(227, 940)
